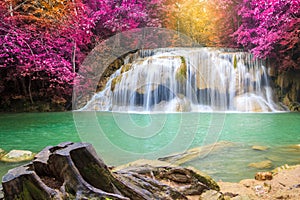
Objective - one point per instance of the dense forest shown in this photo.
(43, 42)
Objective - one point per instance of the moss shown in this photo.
(126, 68)
(181, 73)
(115, 81)
(234, 62)
(91, 172)
(204, 178)
(31, 191)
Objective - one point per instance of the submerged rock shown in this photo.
(17, 156)
(260, 148)
(266, 164)
(194, 153)
(2, 153)
(295, 147)
(74, 171)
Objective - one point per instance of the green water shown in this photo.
(124, 137)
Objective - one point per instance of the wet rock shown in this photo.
(262, 176)
(266, 164)
(17, 156)
(182, 104)
(74, 171)
(248, 103)
(181, 73)
(281, 168)
(259, 148)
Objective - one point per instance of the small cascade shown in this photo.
(188, 80)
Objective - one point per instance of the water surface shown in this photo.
(124, 137)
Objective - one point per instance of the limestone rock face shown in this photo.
(17, 156)
(74, 171)
(287, 84)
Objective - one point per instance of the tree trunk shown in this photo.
(73, 171)
(24, 87)
(29, 90)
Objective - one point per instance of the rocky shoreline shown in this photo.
(285, 184)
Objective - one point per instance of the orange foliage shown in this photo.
(47, 11)
(208, 22)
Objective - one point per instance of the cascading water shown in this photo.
(183, 80)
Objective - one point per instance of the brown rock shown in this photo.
(262, 176)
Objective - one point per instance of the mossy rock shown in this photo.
(126, 68)
(115, 81)
(181, 73)
(205, 178)
(294, 106)
(17, 156)
(234, 62)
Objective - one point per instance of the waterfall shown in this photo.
(188, 80)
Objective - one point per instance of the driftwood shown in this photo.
(74, 171)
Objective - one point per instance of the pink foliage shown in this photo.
(45, 56)
(121, 15)
(269, 28)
